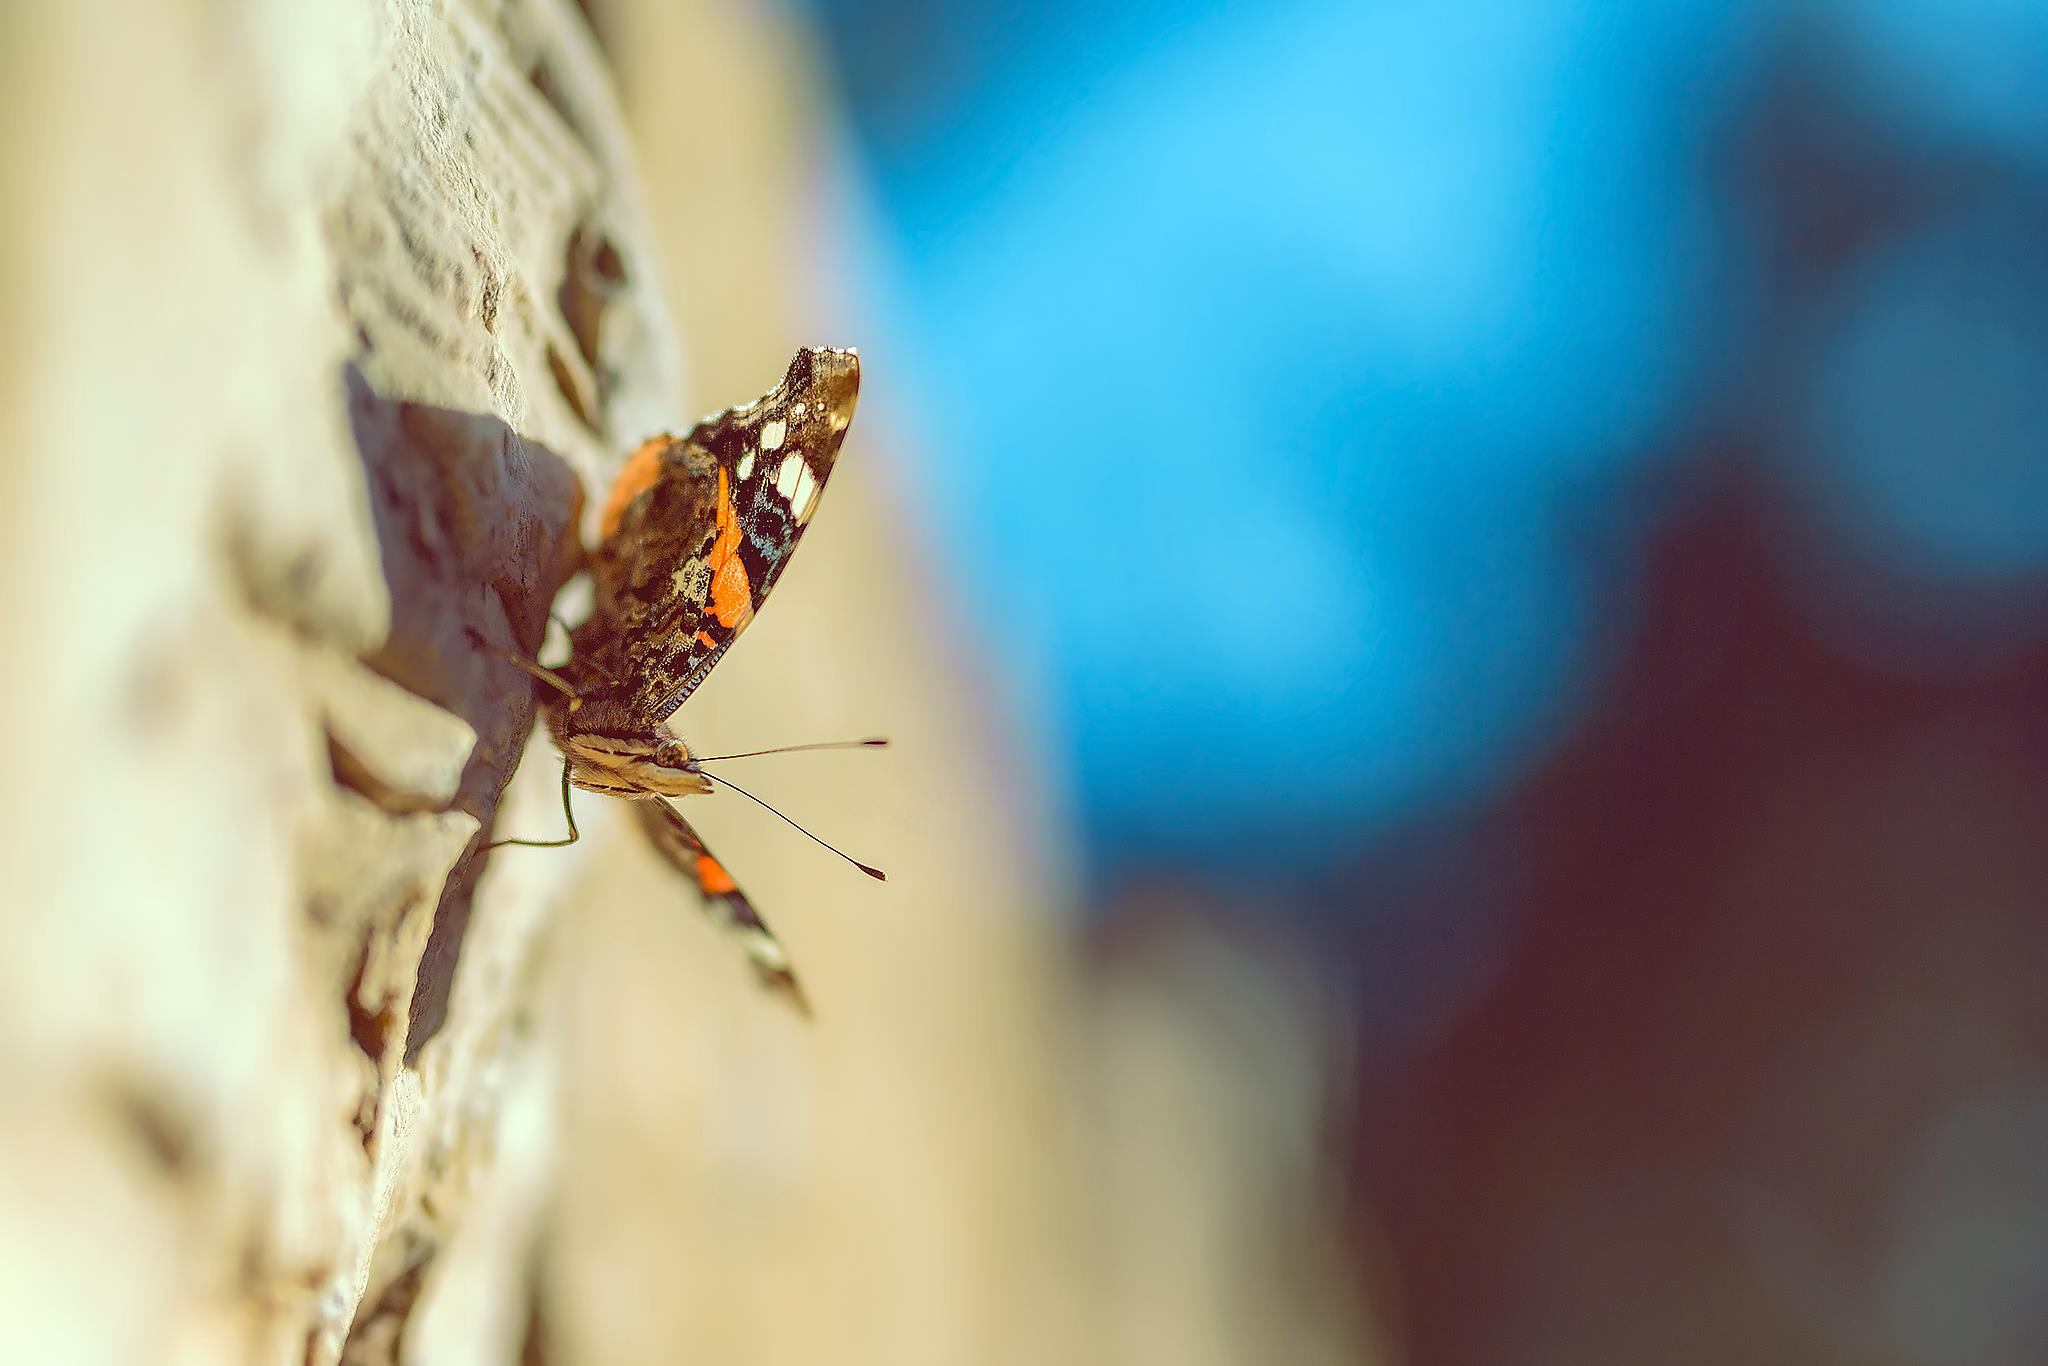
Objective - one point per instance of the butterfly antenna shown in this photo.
(876, 873)
(873, 742)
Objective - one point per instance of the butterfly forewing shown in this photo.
(698, 528)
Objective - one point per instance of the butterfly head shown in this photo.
(613, 751)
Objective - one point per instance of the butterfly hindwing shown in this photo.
(697, 529)
(680, 844)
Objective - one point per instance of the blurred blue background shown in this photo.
(1301, 383)
(1547, 503)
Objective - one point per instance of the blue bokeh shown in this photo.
(1924, 429)
(1286, 371)
(1950, 75)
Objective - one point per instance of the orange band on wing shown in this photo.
(712, 877)
(732, 598)
(635, 479)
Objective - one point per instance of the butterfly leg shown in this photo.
(549, 676)
(526, 666)
(568, 814)
(680, 844)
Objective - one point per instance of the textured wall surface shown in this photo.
(323, 311)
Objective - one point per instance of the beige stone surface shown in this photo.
(247, 759)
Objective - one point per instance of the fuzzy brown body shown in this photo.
(632, 766)
(694, 534)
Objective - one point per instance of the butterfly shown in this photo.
(693, 535)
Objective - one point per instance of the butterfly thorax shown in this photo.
(614, 749)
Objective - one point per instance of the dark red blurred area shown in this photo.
(1758, 1071)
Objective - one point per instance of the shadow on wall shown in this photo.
(478, 531)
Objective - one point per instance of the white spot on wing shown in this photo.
(792, 472)
(746, 465)
(806, 496)
(772, 434)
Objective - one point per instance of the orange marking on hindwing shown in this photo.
(704, 639)
(713, 878)
(636, 478)
(732, 598)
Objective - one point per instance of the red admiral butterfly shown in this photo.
(695, 532)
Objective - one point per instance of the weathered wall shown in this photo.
(319, 313)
